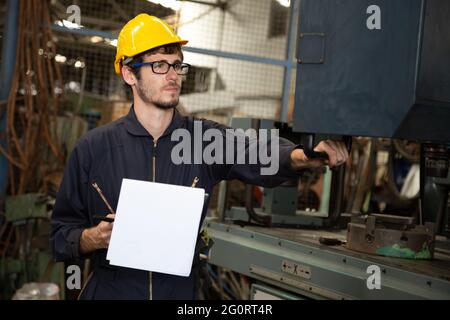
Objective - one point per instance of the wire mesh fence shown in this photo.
(216, 88)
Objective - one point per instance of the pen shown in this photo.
(100, 217)
(194, 183)
(96, 187)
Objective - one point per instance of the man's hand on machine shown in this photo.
(336, 151)
(96, 237)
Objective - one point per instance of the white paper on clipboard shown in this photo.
(156, 227)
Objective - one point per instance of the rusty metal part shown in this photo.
(392, 236)
(329, 241)
(387, 220)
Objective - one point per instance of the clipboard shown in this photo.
(156, 227)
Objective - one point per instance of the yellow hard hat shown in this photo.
(142, 33)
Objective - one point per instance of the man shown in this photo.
(138, 146)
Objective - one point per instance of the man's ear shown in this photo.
(128, 76)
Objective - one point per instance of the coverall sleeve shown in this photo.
(70, 215)
(254, 173)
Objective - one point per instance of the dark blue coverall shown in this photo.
(125, 149)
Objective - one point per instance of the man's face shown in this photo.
(162, 90)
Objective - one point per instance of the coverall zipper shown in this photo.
(154, 180)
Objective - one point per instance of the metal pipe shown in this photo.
(218, 4)
(6, 73)
(222, 201)
(337, 196)
(238, 56)
(85, 32)
(291, 42)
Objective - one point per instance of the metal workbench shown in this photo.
(295, 261)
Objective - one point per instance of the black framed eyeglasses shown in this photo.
(163, 67)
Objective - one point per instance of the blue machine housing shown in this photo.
(378, 68)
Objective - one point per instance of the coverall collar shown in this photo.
(135, 128)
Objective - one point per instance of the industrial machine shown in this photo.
(365, 68)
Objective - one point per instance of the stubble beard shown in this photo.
(145, 95)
